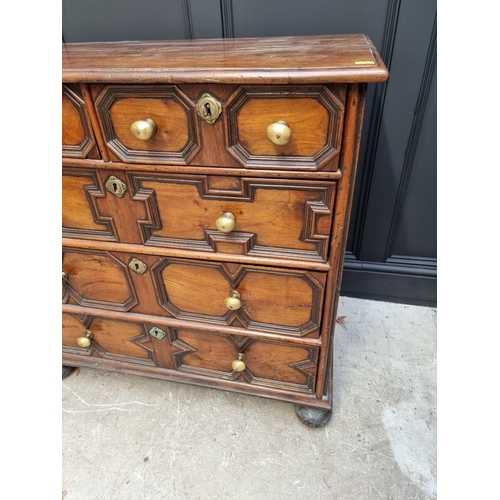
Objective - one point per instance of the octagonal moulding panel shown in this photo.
(98, 279)
(283, 301)
(176, 138)
(77, 138)
(313, 113)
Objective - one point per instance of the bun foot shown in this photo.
(67, 370)
(313, 417)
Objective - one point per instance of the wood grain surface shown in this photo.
(294, 59)
(72, 128)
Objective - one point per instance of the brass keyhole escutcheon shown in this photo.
(116, 186)
(138, 266)
(157, 333)
(208, 108)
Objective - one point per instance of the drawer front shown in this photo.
(285, 127)
(275, 300)
(77, 138)
(260, 362)
(272, 218)
(271, 127)
(237, 360)
(148, 123)
(285, 301)
(107, 338)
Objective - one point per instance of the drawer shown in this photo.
(148, 123)
(77, 137)
(270, 127)
(253, 361)
(106, 338)
(293, 127)
(277, 218)
(268, 299)
(192, 353)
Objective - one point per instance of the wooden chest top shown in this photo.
(293, 59)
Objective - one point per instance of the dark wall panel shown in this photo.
(313, 17)
(389, 286)
(408, 65)
(206, 18)
(119, 20)
(374, 111)
(417, 229)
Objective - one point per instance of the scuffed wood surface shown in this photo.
(299, 59)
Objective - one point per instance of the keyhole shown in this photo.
(206, 110)
(136, 266)
(115, 187)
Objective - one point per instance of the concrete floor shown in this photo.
(132, 438)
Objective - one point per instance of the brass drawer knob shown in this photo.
(226, 222)
(233, 302)
(65, 276)
(279, 133)
(85, 341)
(143, 129)
(238, 364)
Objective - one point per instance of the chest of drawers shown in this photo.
(207, 188)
